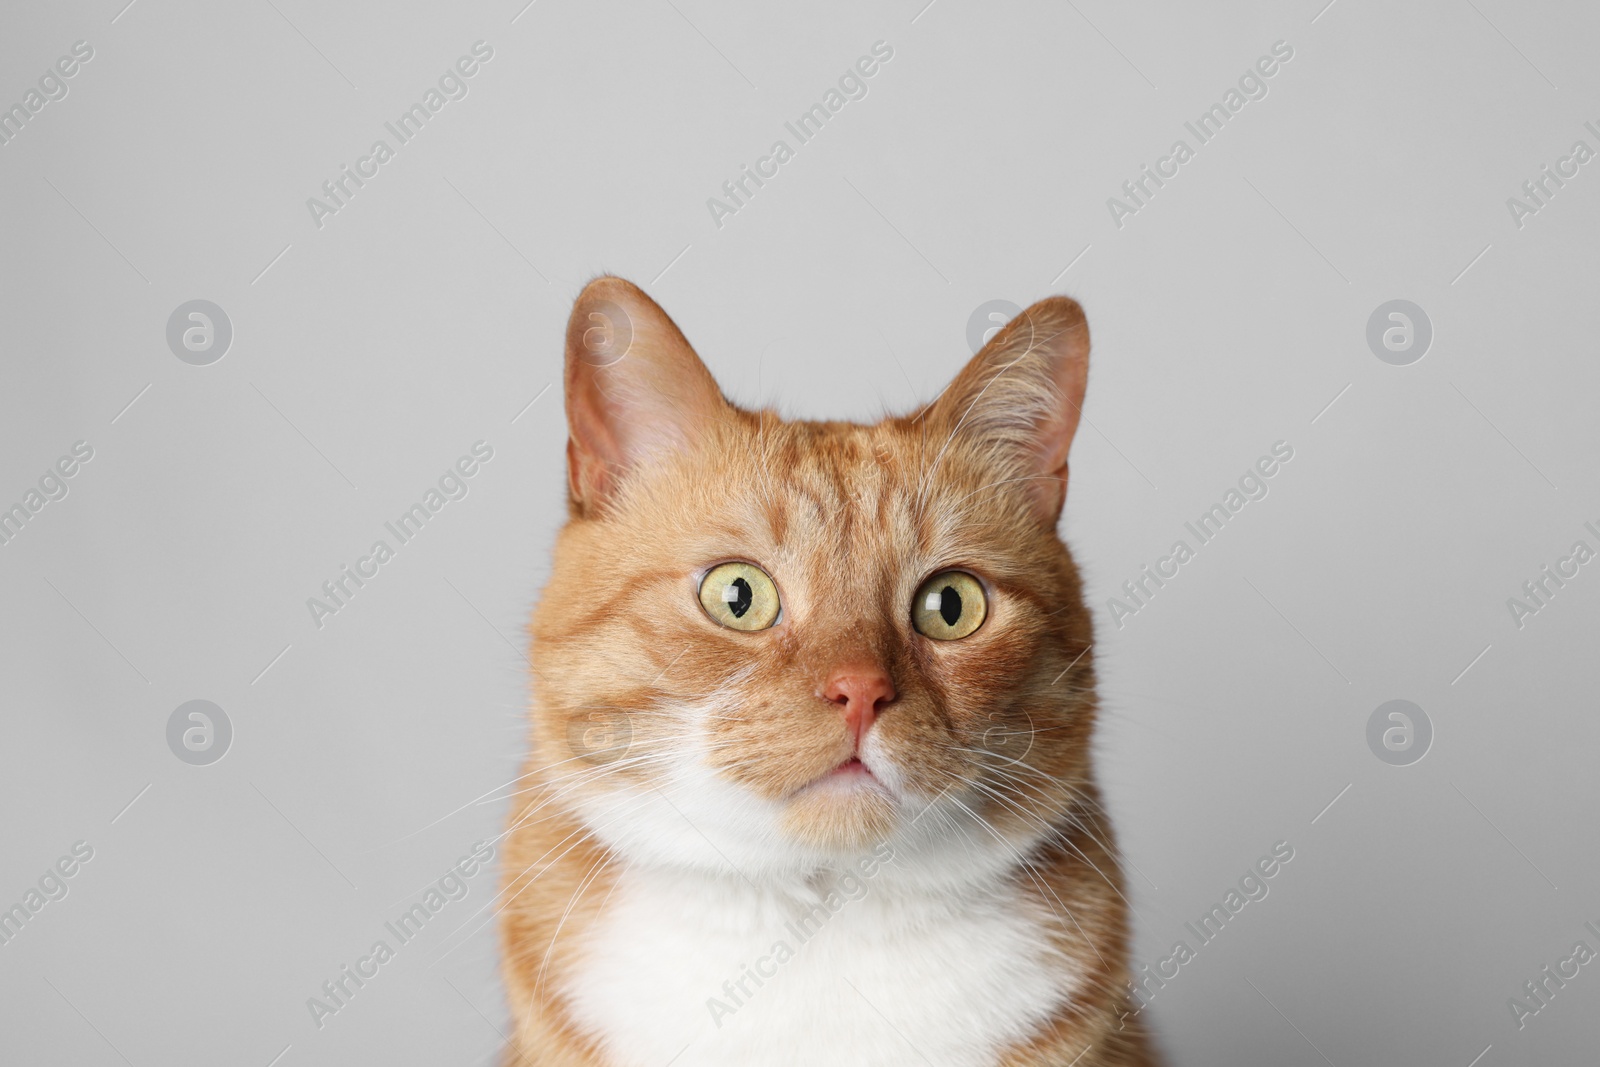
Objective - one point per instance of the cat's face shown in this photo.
(767, 644)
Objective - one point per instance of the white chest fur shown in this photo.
(716, 972)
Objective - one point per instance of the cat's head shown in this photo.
(769, 644)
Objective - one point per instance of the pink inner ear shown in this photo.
(1050, 493)
(635, 388)
(1023, 394)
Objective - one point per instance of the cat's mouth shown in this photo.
(846, 807)
(853, 767)
(849, 777)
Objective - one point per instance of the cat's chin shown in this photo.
(843, 811)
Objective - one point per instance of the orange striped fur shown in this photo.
(641, 703)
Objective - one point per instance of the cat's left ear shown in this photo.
(635, 389)
(1020, 398)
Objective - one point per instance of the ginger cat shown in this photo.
(810, 779)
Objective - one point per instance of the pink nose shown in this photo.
(860, 690)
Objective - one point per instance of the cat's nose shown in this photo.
(860, 690)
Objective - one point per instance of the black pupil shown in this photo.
(743, 598)
(949, 605)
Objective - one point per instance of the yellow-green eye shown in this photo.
(740, 596)
(949, 606)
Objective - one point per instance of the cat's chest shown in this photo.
(726, 975)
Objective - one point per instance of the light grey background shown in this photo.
(426, 315)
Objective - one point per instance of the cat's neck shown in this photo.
(650, 833)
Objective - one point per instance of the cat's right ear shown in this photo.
(1020, 398)
(635, 389)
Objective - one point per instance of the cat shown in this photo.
(810, 777)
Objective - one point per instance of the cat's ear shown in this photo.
(1020, 398)
(635, 389)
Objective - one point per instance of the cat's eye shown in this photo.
(740, 596)
(949, 606)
